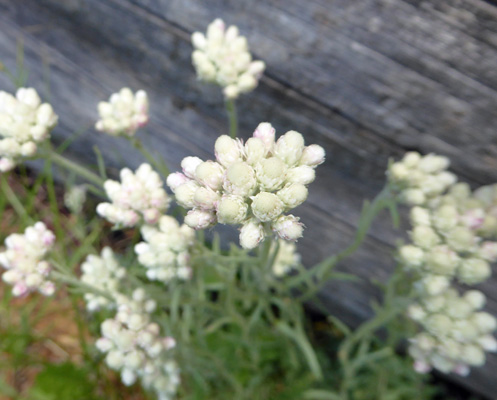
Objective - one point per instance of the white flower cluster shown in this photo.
(124, 113)
(449, 228)
(135, 348)
(456, 333)
(27, 271)
(105, 274)
(222, 56)
(165, 252)
(24, 122)
(138, 195)
(445, 246)
(286, 259)
(252, 185)
(421, 178)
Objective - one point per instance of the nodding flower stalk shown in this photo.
(253, 185)
(222, 56)
(25, 122)
(139, 196)
(24, 260)
(124, 113)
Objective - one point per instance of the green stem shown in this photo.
(13, 200)
(232, 117)
(161, 167)
(323, 271)
(76, 168)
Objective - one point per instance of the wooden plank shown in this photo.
(364, 79)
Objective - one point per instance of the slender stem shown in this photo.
(14, 200)
(323, 271)
(232, 117)
(76, 168)
(161, 167)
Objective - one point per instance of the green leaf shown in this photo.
(63, 382)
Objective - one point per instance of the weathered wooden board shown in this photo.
(365, 79)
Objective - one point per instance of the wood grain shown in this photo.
(365, 79)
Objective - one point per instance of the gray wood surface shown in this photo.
(366, 79)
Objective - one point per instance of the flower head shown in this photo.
(165, 251)
(251, 185)
(27, 271)
(222, 56)
(24, 122)
(138, 196)
(124, 113)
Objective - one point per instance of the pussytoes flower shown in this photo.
(165, 251)
(222, 56)
(456, 334)
(134, 347)
(421, 178)
(253, 185)
(24, 123)
(27, 270)
(139, 196)
(124, 113)
(105, 274)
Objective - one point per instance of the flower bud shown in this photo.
(228, 150)
(189, 165)
(475, 298)
(251, 234)
(255, 150)
(432, 163)
(270, 173)
(438, 324)
(312, 156)
(485, 322)
(424, 237)
(445, 218)
(266, 133)
(433, 284)
(210, 173)
(289, 147)
(288, 227)
(293, 195)
(240, 179)
(488, 251)
(266, 206)
(231, 210)
(302, 174)
(205, 198)
(420, 216)
(473, 271)
(461, 239)
(185, 194)
(442, 260)
(413, 197)
(176, 179)
(411, 256)
(473, 355)
(200, 219)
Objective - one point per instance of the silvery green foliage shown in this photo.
(134, 347)
(456, 333)
(222, 56)
(105, 274)
(24, 122)
(421, 178)
(124, 113)
(252, 184)
(24, 260)
(139, 196)
(165, 251)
